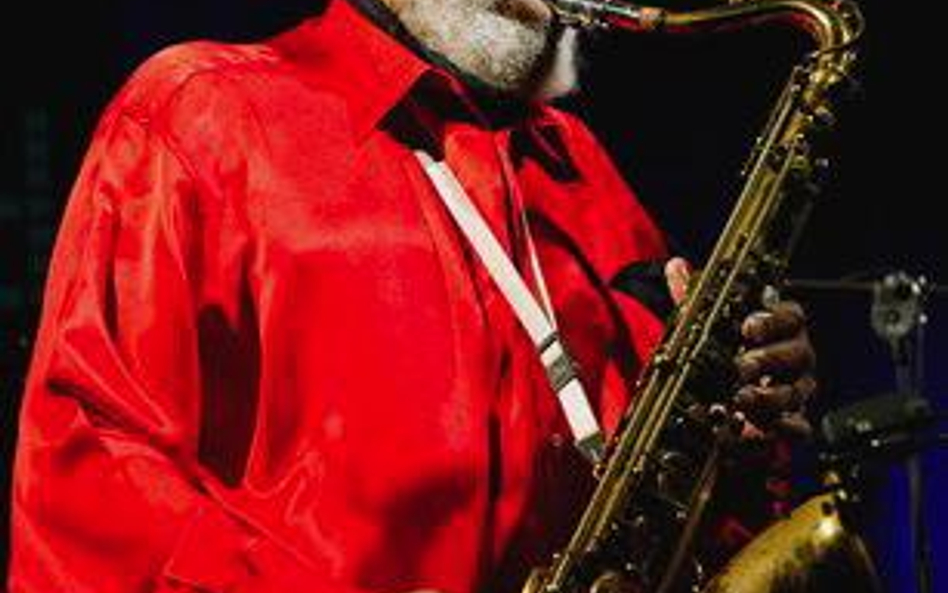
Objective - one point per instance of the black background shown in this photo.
(678, 114)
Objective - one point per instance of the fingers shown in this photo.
(782, 360)
(782, 320)
(766, 403)
(776, 372)
(777, 344)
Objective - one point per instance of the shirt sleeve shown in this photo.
(622, 232)
(134, 411)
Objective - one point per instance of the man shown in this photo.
(268, 358)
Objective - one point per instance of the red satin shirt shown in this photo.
(268, 360)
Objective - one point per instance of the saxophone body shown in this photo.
(638, 531)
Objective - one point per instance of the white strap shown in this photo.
(539, 324)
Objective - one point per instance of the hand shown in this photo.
(775, 365)
(776, 369)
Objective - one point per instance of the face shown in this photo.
(511, 45)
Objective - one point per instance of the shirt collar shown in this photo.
(341, 50)
(358, 49)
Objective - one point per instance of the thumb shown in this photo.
(677, 276)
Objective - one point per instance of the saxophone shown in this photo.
(658, 472)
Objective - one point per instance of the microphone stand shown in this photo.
(898, 317)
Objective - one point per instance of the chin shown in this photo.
(562, 76)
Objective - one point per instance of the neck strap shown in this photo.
(536, 318)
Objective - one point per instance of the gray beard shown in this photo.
(514, 56)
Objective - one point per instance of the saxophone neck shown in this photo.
(832, 23)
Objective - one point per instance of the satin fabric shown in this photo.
(268, 361)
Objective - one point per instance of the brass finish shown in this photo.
(638, 530)
(812, 550)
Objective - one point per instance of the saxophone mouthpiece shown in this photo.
(589, 14)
